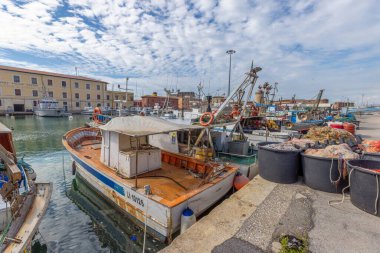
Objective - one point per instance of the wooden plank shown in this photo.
(14, 171)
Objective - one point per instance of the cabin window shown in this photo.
(87, 86)
(16, 79)
(77, 104)
(63, 84)
(50, 94)
(77, 95)
(35, 93)
(34, 80)
(50, 82)
(98, 96)
(88, 96)
(98, 87)
(64, 95)
(17, 92)
(76, 85)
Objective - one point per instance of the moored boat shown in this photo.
(48, 107)
(23, 202)
(150, 185)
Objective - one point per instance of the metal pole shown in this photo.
(230, 52)
(229, 77)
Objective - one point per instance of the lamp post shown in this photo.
(230, 52)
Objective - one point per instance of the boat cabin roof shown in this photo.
(136, 126)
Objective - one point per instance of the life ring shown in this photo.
(97, 111)
(210, 115)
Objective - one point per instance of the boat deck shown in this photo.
(169, 182)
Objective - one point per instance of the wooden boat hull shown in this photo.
(32, 220)
(162, 220)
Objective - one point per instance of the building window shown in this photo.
(35, 93)
(108, 104)
(77, 95)
(98, 87)
(16, 79)
(77, 104)
(50, 93)
(87, 86)
(64, 95)
(98, 96)
(34, 103)
(124, 97)
(76, 85)
(0, 103)
(117, 97)
(17, 92)
(50, 82)
(63, 84)
(34, 80)
(65, 103)
(88, 96)
(108, 97)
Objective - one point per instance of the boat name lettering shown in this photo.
(135, 199)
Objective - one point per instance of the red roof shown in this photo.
(48, 73)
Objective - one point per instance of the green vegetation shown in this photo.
(299, 247)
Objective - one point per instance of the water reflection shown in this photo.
(74, 222)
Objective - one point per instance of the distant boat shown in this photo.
(48, 107)
(23, 202)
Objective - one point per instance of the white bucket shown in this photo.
(187, 219)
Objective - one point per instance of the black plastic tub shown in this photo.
(277, 165)
(365, 185)
(371, 156)
(316, 173)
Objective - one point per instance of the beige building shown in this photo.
(21, 89)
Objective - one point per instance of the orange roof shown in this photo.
(153, 96)
(48, 73)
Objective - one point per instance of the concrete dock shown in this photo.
(254, 218)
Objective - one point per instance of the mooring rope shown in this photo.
(377, 194)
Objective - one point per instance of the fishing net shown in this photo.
(342, 151)
(327, 133)
(292, 145)
(372, 146)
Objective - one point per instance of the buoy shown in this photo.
(240, 180)
(187, 219)
(206, 114)
(71, 117)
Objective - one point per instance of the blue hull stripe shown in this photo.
(105, 180)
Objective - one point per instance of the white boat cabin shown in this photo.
(128, 144)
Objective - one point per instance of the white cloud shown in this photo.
(305, 45)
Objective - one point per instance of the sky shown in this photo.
(304, 45)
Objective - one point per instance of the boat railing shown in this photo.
(76, 136)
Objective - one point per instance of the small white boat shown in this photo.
(145, 182)
(88, 110)
(48, 107)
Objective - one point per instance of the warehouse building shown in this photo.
(21, 89)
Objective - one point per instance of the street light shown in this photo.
(230, 52)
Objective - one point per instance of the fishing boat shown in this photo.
(23, 202)
(48, 107)
(151, 185)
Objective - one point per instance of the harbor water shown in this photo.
(77, 220)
